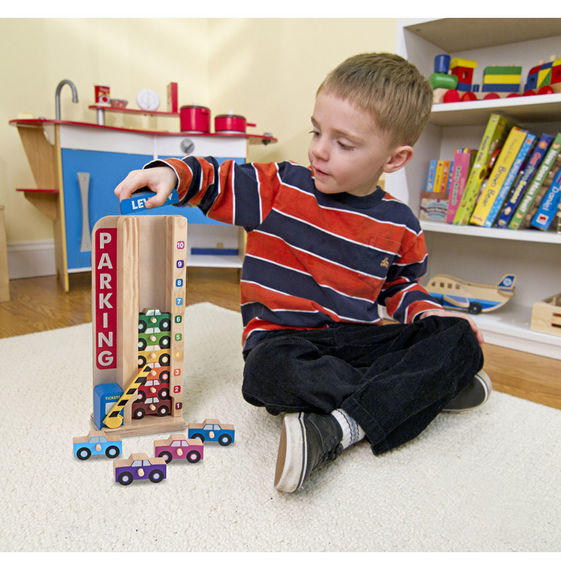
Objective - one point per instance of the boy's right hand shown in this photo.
(160, 179)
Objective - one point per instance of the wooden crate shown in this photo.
(546, 315)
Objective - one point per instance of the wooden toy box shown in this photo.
(546, 315)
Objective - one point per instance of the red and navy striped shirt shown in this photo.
(311, 259)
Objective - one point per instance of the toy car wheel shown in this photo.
(83, 453)
(166, 455)
(138, 414)
(198, 436)
(163, 393)
(141, 326)
(141, 396)
(141, 361)
(164, 359)
(125, 478)
(164, 376)
(163, 411)
(474, 308)
(165, 324)
(164, 342)
(193, 456)
(112, 451)
(156, 476)
(224, 439)
(141, 343)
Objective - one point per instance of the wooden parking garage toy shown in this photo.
(138, 305)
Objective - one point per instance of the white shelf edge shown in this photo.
(510, 327)
(225, 261)
(530, 108)
(536, 236)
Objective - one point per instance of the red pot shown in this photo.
(231, 123)
(194, 119)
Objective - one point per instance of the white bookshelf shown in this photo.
(485, 254)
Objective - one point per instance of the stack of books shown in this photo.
(513, 180)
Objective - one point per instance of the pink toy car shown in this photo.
(177, 446)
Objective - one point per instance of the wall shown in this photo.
(269, 70)
(265, 69)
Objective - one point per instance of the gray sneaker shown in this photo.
(475, 394)
(307, 441)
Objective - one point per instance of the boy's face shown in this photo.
(348, 152)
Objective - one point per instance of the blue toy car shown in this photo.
(212, 430)
(97, 443)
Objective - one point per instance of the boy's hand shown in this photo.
(445, 313)
(160, 179)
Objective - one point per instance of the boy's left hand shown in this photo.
(445, 313)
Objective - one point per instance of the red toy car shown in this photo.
(150, 406)
(152, 388)
(177, 446)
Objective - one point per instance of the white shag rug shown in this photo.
(483, 481)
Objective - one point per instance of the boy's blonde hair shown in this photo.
(388, 87)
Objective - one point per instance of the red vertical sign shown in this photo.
(105, 298)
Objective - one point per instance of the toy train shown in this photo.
(452, 80)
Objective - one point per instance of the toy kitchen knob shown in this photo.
(187, 146)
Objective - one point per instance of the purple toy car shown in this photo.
(139, 466)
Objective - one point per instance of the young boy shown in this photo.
(326, 246)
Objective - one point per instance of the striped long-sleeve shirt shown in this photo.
(311, 259)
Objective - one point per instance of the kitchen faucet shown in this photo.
(57, 95)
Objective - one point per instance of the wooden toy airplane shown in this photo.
(455, 293)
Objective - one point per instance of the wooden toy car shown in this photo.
(97, 443)
(152, 388)
(212, 430)
(177, 446)
(455, 293)
(153, 354)
(153, 319)
(139, 466)
(151, 407)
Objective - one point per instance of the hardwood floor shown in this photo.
(39, 304)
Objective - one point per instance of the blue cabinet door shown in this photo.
(89, 178)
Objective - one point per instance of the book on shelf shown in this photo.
(438, 176)
(523, 179)
(434, 206)
(494, 135)
(463, 161)
(512, 178)
(442, 175)
(514, 152)
(429, 186)
(547, 209)
(540, 194)
(524, 209)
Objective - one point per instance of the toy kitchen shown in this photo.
(77, 165)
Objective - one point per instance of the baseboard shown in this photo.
(31, 259)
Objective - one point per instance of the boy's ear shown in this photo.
(399, 157)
